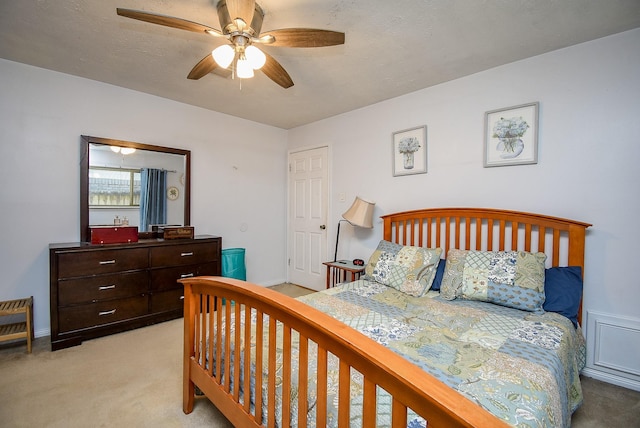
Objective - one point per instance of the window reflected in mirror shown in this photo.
(110, 187)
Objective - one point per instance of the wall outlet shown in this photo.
(342, 197)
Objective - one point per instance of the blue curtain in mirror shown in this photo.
(153, 202)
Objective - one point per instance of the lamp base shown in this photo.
(335, 254)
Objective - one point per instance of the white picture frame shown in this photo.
(511, 136)
(409, 151)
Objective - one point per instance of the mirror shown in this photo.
(104, 162)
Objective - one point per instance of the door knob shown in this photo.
(323, 227)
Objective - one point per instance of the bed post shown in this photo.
(188, 390)
(576, 253)
(386, 234)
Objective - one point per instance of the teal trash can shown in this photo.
(233, 263)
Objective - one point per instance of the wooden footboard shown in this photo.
(206, 333)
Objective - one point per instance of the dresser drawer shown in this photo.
(185, 254)
(103, 287)
(167, 278)
(165, 301)
(100, 313)
(77, 264)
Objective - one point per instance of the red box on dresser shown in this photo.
(113, 234)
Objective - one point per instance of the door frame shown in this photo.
(329, 221)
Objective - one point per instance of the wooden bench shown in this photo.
(17, 330)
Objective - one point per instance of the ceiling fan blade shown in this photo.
(168, 21)
(242, 9)
(276, 72)
(206, 66)
(304, 37)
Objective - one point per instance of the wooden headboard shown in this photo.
(486, 229)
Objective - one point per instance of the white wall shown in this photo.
(588, 166)
(236, 166)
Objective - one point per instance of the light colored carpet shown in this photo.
(131, 379)
(134, 379)
(607, 405)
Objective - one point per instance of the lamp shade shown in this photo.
(244, 69)
(255, 56)
(360, 213)
(223, 55)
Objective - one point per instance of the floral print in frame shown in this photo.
(511, 136)
(410, 151)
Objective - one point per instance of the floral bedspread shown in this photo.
(522, 367)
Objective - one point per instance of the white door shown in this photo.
(308, 196)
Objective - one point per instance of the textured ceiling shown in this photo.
(392, 47)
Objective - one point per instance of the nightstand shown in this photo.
(337, 272)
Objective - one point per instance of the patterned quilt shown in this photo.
(522, 367)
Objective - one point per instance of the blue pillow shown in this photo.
(563, 291)
(435, 286)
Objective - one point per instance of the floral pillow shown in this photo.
(405, 268)
(508, 278)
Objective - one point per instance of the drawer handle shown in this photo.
(103, 313)
(186, 254)
(186, 275)
(181, 297)
(107, 287)
(108, 262)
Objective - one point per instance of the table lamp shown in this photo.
(360, 214)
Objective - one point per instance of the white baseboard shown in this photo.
(42, 332)
(612, 379)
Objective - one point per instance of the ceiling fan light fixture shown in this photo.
(241, 22)
(255, 57)
(223, 55)
(244, 70)
(123, 150)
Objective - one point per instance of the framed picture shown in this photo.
(410, 151)
(173, 193)
(511, 136)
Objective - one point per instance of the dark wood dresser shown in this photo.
(97, 290)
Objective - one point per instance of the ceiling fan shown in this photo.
(239, 57)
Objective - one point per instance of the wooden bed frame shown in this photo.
(466, 228)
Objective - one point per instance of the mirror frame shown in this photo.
(85, 233)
